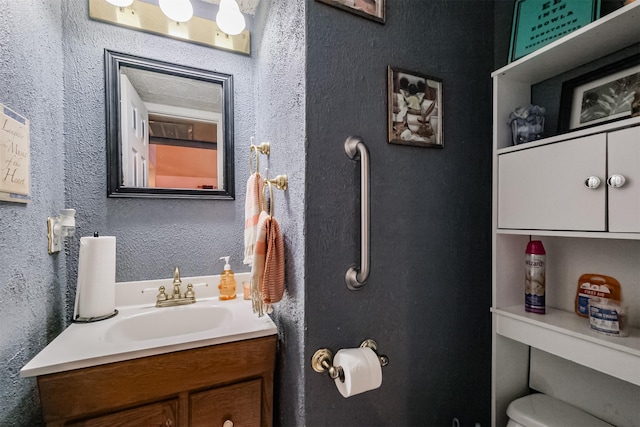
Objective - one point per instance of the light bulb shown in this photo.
(229, 5)
(177, 10)
(229, 18)
(120, 3)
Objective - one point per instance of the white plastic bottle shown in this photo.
(534, 277)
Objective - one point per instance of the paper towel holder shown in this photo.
(59, 227)
(322, 360)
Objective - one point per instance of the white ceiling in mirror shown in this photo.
(246, 6)
(165, 89)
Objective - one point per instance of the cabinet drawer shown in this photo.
(544, 187)
(239, 403)
(161, 414)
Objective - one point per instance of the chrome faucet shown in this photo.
(176, 298)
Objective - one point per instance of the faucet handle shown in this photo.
(162, 295)
(189, 293)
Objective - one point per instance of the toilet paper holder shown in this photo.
(322, 360)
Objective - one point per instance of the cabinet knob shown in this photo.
(616, 181)
(592, 182)
(227, 423)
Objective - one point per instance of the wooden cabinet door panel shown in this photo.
(544, 187)
(624, 159)
(161, 414)
(239, 403)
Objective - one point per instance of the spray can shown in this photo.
(534, 277)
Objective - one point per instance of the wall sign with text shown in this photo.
(537, 23)
(15, 157)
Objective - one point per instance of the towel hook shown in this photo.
(356, 278)
(281, 182)
(264, 199)
(264, 148)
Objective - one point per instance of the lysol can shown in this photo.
(534, 277)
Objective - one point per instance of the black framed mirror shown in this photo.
(169, 130)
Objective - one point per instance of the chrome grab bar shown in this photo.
(355, 148)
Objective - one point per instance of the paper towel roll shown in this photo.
(96, 288)
(362, 370)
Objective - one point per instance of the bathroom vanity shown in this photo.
(206, 363)
(216, 385)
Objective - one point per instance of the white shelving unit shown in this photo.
(570, 252)
(564, 334)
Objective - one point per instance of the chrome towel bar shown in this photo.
(355, 149)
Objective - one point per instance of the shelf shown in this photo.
(566, 233)
(612, 363)
(568, 335)
(607, 127)
(600, 38)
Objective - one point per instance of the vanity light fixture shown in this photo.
(229, 18)
(60, 226)
(177, 10)
(176, 19)
(120, 3)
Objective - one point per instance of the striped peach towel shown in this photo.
(267, 272)
(257, 267)
(273, 283)
(252, 208)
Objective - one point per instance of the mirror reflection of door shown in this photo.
(182, 153)
(183, 149)
(171, 128)
(135, 137)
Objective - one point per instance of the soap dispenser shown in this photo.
(227, 284)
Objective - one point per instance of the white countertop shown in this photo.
(84, 345)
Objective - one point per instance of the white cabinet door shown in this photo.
(544, 187)
(624, 198)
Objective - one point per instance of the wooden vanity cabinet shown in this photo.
(238, 403)
(156, 414)
(206, 386)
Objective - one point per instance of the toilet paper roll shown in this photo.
(362, 370)
(96, 288)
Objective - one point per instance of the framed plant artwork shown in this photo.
(414, 109)
(604, 95)
(371, 9)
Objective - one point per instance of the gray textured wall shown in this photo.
(32, 282)
(280, 108)
(428, 297)
(152, 235)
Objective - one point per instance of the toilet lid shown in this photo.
(540, 410)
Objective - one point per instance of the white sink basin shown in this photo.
(141, 329)
(168, 322)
